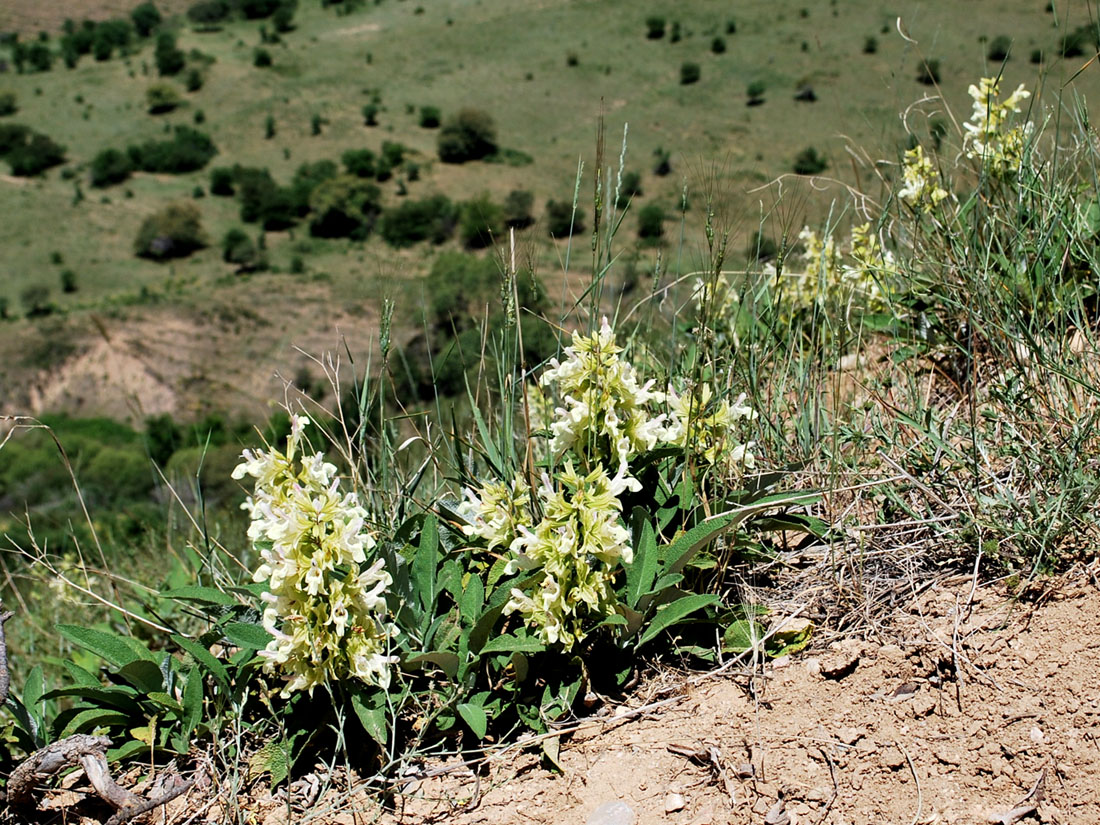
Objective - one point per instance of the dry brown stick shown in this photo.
(5, 676)
(142, 806)
(47, 761)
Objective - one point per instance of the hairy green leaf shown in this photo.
(675, 612)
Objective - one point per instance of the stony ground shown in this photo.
(972, 707)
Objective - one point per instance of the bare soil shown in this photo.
(972, 707)
(33, 16)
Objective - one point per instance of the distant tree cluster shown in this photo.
(28, 152)
(209, 13)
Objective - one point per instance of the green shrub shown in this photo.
(110, 167)
(162, 98)
(731, 27)
(870, 45)
(209, 12)
(718, 45)
(9, 103)
(370, 114)
(261, 58)
(431, 219)
(187, 151)
(662, 162)
(194, 80)
(655, 27)
(1037, 56)
(651, 222)
(40, 57)
(145, 18)
(517, 209)
(283, 18)
(269, 127)
(221, 182)
(467, 135)
(169, 58)
(1079, 41)
(344, 207)
(36, 301)
(239, 249)
(675, 35)
(359, 162)
(689, 73)
(809, 162)
(480, 222)
(999, 48)
(173, 232)
(68, 281)
(35, 155)
(630, 187)
(561, 220)
(258, 9)
(429, 117)
(12, 136)
(928, 72)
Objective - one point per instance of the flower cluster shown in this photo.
(988, 138)
(827, 280)
(921, 184)
(578, 545)
(497, 511)
(325, 607)
(708, 427)
(604, 416)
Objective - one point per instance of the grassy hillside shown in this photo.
(544, 72)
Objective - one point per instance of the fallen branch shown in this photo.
(89, 753)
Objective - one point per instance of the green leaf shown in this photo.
(675, 612)
(370, 707)
(742, 635)
(447, 662)
(509, 643)
(273, 759)
(472, 599)
(107, 646)
(474, 716)
(121, 697)
(143, 675)
(80, 676)
(495, 606)
(424, 566)
(192, 702)
(643, 569)
(165, 701)
(129, 749)
(246, 635)
(203, 595)
(92, 718)
(33, 691)
(793, 636)
(205, 658)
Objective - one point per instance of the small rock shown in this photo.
(893, 759)
(924, 706)
(781, 662)
(840, 664)
(849, 736)
(905, 691)
(1036, 736)
(612, 813)
(778, 815)
(673, 803)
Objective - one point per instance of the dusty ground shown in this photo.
(973, 708)
(32, 16)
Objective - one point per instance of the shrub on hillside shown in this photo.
(655, 27)
(718, 45)
(430, 117)
(651, 222)
(689, 73)
(169, 58)
(241, 251)
(13, 135)
(870, 45)
(480, 222)
(755, 93)
(561, 220)
(187, 151)
(221, 182)
(431, 219)
(630, 187)
(517, 209)
(809, 162)
(344, 207)
(469, 134)
(258, 9)
(662, 162)
(307, 177)
(261, 58)
(283, 18)
(359, 162)
(194, 80)
(928, 72)
(145, 18)
(9, 103)
(162, 98)
(34, 155)
(209, 12)
(39, 57)
(370, 114)
(110, 167)
(999, 48)
(173, 232)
